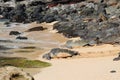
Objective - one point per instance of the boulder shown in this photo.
(113, 71)
(14, 33)
(18, 14)
(113, 10)
(21, 38)
(60, 53)
(86, 11)
(14, 73)
(39, 28)
(66, 28)
(49, 18)
(35, 13)
(36, 3)
(6, 11)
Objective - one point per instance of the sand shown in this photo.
(81, 69)
(98, 51)
(94, 63)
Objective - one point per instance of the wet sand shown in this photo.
(41, 40)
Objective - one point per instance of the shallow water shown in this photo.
(38, 41)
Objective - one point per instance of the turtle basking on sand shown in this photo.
(59, 53)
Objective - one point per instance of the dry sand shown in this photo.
(94, 63)
(81, 69)
(98, 51)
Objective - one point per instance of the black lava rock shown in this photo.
(39, 28)
(21, 38)
(14, 33)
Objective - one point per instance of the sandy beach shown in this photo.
(81, 69)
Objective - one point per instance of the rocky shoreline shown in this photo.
(95, 22)
(59, 29)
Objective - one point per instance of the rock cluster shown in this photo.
(95, 21)
(30, 10)
(38, 28)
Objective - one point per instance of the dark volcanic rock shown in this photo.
(39, 28)
(14, 33)
(105, 32)
(35, 13)
(36, 3)
(60, 53)
(18, 14)
(66, 28)
(113, 71)
(5, 12)
(21, 38)
(87, 11)
(49, 18)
